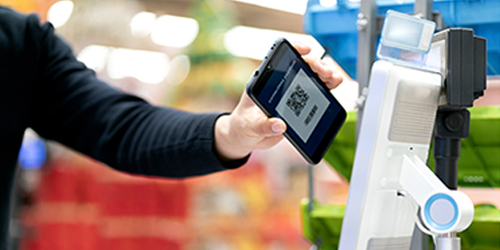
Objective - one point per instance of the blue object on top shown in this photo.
(335, 27)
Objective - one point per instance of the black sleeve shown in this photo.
(123, 131)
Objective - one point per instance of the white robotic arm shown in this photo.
(442, 212)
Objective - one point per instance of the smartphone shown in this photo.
(284, 86)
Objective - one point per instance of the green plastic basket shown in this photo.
(323, 225)
(479, 163)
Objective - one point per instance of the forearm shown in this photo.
(73, 107)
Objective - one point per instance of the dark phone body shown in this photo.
(284, 86)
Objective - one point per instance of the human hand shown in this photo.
(248, 128)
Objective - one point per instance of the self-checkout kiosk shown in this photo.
(419, 91)
(392, 189)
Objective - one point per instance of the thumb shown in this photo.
(271, 127)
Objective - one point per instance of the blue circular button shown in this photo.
(441, 211)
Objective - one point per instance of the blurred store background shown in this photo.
(195, 55)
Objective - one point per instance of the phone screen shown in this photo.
(293, 94)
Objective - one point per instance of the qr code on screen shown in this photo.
(311, 115)
(297, 100)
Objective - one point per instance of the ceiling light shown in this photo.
(59, 13)
(142, 23)
(174, 31)
(147, 66)
(94, 57)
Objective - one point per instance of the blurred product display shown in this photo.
(216, 77)
(81, 204)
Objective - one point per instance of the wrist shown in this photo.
(226, 143)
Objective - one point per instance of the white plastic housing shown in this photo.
(398, 120)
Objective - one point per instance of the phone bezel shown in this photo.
(260, 78)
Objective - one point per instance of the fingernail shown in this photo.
(277, 128)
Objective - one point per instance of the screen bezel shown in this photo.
(259, 81)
